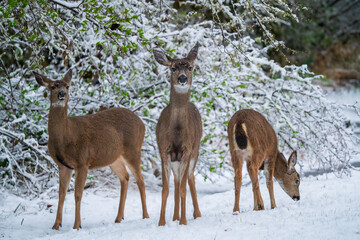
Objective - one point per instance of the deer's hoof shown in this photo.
(56, 226)
(259, 207)
(236, 210)
(183, 221)
(176, 218)
(145, 215)
(77, 226)
(162, 222)
(197, 214)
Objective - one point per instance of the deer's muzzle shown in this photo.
(296, 198)
(182, 79)
(62, 95)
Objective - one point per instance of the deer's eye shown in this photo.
(53, 87)
(297, 182)
(67, 87)
(173, 69)
(190, 68)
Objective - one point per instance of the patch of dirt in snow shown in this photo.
(329, 209)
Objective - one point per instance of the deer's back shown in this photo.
(120, 120)
(259, 133)
(101, 138)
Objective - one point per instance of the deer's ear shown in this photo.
(68, 77)
(292, 160)
(162, 58)
(193, 52)
(42, 80)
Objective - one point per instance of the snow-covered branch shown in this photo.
(109, 44)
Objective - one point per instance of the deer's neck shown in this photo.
(179, 105)
(58, 122)
(280, 167)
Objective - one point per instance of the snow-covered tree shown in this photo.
(109, 43)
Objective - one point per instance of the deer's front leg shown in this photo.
(253, 172)
(80, 178)
(64, 180)
(269, 173)
(192, 187)
(165, 167)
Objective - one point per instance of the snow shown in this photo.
(67, 4)
(329, 209)
(349, 96)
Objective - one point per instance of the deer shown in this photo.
(178, 135)
(253, 140)
(112, 137)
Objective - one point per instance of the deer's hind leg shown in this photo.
(175, 167)
(197, 212)
(134, 163)
(118, 167)
(237, 161)
(64, 180)
(184, 174)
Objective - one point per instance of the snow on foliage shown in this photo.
(109, 44)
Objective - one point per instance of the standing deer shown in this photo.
(178, 135)
(252, 139)
(109, 138)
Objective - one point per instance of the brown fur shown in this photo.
(178, 135)
(109, 138)
(261, 152)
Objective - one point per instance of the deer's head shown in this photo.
(290, 179)
(181, 69)
(59, 90)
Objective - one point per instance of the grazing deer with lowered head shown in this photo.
(109, 138)
(252, 139)
(178, 135)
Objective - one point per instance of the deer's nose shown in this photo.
(182, 79)
(62, 95)
(296, 198)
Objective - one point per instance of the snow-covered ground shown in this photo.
(329, 209)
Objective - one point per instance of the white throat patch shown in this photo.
(182, 88)
(58, 104)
